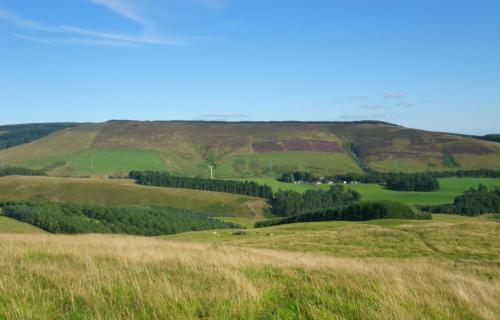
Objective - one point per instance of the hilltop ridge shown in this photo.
(249, 149)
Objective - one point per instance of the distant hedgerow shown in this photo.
(18, 171)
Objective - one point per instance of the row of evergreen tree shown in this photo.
(422, 182)
(137, 220)
(18, 171)
(361, 211)
(472, 203)
(397, 181)
(286, 203)
(164, 179)
(371, 176)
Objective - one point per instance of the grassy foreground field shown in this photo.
(442, 269)
(450, 188)
(124, 192)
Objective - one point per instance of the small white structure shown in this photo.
(211, 172)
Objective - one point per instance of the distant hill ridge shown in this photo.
(248, 149)
(14, 135)
(261, 122)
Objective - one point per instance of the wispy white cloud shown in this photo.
(76, 41)
(361, 97)
(138, 39)
(405, 104)
(33, 39)
(393, 95)
(14, 19)
(125, 8)
(375, 106)
(71, 35)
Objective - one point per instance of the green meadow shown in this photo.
(450, 188)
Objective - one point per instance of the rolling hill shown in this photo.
(249, 149)
(114, 192)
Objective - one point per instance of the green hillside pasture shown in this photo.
(8, 225)
(441, 237)
(107, 192)
(273, 163)
(463, 161)
(478, 161)
(450, 188)
(52, 150)
(108, 161)
(408, 165)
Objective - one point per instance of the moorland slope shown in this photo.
(252, 149)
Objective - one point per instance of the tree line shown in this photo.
(412, 182)
(164, 179)
(18, 171)
(472, 203)
(495, 137)
(361, 211)
(371, 176)
(283, 203)
(397, 181)
(137, 220)
(286, 203)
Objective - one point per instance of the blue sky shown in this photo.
(421, 63)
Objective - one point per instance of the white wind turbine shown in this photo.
(211, 171)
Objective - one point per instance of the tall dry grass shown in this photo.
(121, 277)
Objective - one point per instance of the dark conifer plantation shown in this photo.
(17, 171)
(287, 203)
(143, 220)
(472, 203)
(163, 179)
